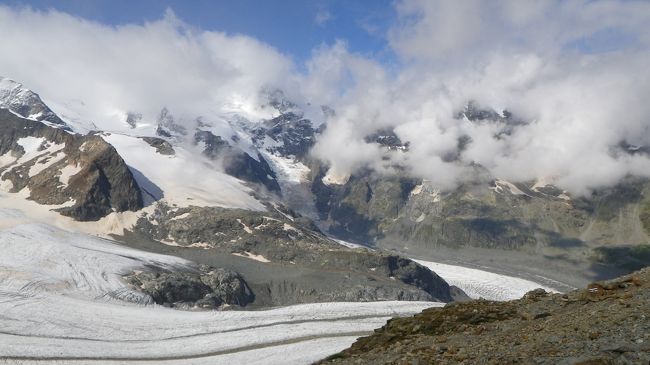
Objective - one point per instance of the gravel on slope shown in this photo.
(606, 323)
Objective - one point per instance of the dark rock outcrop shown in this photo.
(293, 135)
(388, 139)
(236, 162)
(214, 146)
(132, 119)
(208, 288)
(163, 147)
(244, 167)
(101, 181)
(167, 126)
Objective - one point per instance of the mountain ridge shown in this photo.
(210, 164)
(144, 174)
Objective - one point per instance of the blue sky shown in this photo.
(294, 27)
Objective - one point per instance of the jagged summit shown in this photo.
(476, 113)
(387, 138)
(26, 103)
(278, 100)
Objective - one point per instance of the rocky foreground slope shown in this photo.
(606, 323)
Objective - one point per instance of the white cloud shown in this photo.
(437, 30)
(574, 71)
(139, 68)
(579, 103)
(322, 17)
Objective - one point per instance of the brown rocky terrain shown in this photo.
(606, 323)
(276, 239)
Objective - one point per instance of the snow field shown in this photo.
(483, 284)
(62, 297)
(184, 178)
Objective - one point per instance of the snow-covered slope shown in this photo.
(182, 178)
(259, 135)
(483, 284)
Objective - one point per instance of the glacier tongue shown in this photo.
(63, 298)
(70, 264)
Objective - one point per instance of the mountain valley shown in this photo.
(224, 212)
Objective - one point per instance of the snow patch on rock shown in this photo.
(502, 186)
(252, 256)
(68, 172)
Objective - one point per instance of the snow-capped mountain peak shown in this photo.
(26, 103)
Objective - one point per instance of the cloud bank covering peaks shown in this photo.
(573, 74)
(102, 72)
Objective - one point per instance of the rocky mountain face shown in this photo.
(208, 288)
(496, 214)
(287, 135)
(84, 177)
(395, 211)
(606, 323)
(80, 176)
(276, 237)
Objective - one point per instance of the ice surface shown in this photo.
(289, 170)
(483, 284)
(30, 144)
(62, 297)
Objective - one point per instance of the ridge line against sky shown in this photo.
(574, 73)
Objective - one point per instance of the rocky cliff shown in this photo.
(609, 226)
(80, 176)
